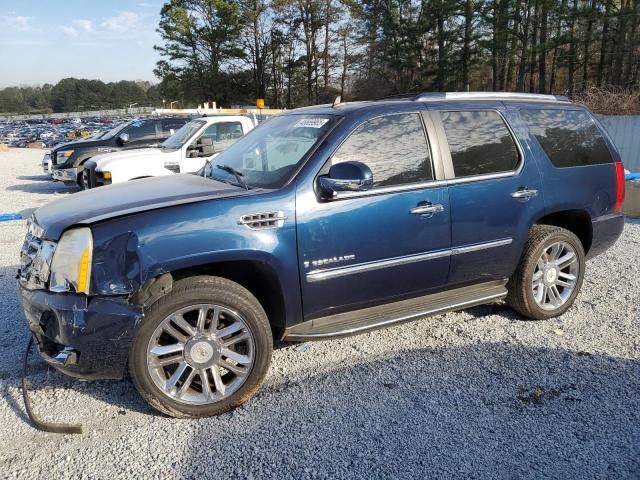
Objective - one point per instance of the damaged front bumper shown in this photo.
(84, 337)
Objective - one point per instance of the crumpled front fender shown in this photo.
(116, 265)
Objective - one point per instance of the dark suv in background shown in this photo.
(67, 159)
(322, 222)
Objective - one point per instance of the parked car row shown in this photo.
(50, 133)
(141, 148)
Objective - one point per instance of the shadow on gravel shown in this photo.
(486, 410)
(482, 411)
(34, 177)
(43, 187)
(499, 309)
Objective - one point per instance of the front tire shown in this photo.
(201, 350)
(550, 274)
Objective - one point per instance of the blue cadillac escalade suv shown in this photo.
(323, 222)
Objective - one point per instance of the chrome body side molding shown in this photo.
(481, 246)
(325, 274)
(328, 273)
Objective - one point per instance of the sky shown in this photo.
(43, 41)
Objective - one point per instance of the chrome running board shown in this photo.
(372, 318)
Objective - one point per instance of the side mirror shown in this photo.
(345, 177)
(205, 147)
(123, 138)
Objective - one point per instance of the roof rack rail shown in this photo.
(489, 95)
(399, 96)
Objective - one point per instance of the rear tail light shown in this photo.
(619, 187)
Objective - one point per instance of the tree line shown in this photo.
(301, 52)
(72, 95)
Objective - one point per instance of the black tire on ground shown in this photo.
(520, 286)
(193, 291)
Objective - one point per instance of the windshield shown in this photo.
(99, 135)
(183, 134)
(269, 154)
(114, 131)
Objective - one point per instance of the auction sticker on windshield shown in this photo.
(311, 122)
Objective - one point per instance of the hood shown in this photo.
(106, 159)
(90, 206)
(80, 143)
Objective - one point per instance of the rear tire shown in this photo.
(550, 274)
(190, 381)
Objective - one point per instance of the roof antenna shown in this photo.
(337, 101)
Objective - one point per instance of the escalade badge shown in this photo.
(328, 261)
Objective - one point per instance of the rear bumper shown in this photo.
(83, 337)
(606, 230)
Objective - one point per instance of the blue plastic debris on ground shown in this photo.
(5, 217)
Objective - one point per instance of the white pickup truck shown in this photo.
(186, 151)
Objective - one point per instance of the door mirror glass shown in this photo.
(203, 147)
(123, 138)
(345, 177)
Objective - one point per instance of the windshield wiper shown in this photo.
(235, 173)
(207, 163)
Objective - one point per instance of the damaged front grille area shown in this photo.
(261, 221)
(35, 258)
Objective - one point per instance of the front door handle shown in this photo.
(427, 209)
(525, 193)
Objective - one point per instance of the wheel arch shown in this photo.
(577, 221)
(258, 277)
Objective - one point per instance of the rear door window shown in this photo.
(394, 147)
(480, 143)
(570, 138)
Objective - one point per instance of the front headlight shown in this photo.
(63, 155)
(71, 264)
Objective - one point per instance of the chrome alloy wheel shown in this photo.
(555, 275)
(201, 354)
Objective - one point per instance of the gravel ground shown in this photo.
(478, 393)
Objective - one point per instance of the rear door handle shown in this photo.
(525, 193)
(427, 209)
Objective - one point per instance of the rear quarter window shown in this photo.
(480, 143)
(570, 138)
